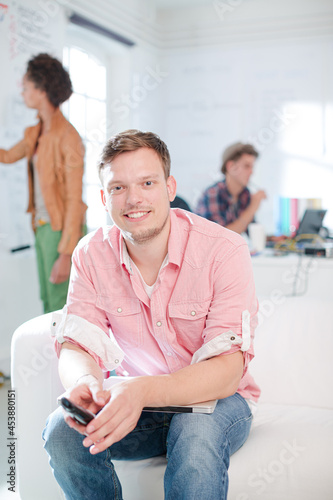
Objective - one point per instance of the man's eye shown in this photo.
(115, 189)
(148, 183)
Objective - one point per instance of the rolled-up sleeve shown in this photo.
(81, 322)
(232, 316)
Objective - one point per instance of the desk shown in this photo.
(293, 274)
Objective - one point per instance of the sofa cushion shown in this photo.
(286, 455)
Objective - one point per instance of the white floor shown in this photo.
(5, 494)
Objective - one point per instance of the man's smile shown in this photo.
(136, 215)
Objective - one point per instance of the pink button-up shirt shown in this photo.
(203, 303)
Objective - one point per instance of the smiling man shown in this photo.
(168, 298)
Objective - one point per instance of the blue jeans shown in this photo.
(197, 446)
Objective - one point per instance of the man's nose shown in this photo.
(134, 195)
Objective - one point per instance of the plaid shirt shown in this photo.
(216, 204)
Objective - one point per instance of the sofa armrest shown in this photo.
(37, 385)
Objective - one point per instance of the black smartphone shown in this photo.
(79, 414)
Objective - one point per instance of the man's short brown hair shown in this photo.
(131, 140)
(235, 151)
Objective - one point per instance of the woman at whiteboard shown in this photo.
(55, 155)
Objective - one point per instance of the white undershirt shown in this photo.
(150, 288)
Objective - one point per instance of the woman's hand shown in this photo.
(61, 269)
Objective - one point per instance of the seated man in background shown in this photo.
(229, 202)
(179, 202)
(176, 292)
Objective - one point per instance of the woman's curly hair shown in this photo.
(48, 74)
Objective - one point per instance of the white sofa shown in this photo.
(289, 452)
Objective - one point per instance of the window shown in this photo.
(86, 110)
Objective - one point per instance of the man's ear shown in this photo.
(171, 187)
(103, 199)
(229, 165)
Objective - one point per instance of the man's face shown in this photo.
(137, 195)
(241, 169)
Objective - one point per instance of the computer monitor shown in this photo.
(311, 222)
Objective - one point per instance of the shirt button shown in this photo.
(232, 338)
(193, 313)
(116, 360)
(54, 324)
(119, 310)
(159, 323)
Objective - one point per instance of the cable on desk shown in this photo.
(290, 244)
(306, 277)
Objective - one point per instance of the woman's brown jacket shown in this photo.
(59, 164)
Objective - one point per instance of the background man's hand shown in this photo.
(257, 197)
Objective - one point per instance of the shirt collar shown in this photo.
(124, 256)
(126, 260)
(180, 226)
(56, 116)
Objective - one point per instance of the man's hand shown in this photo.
(61, 269)
(89, 395)
(118, 417)
(277, 239)
(241, 223)
(257, 198)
